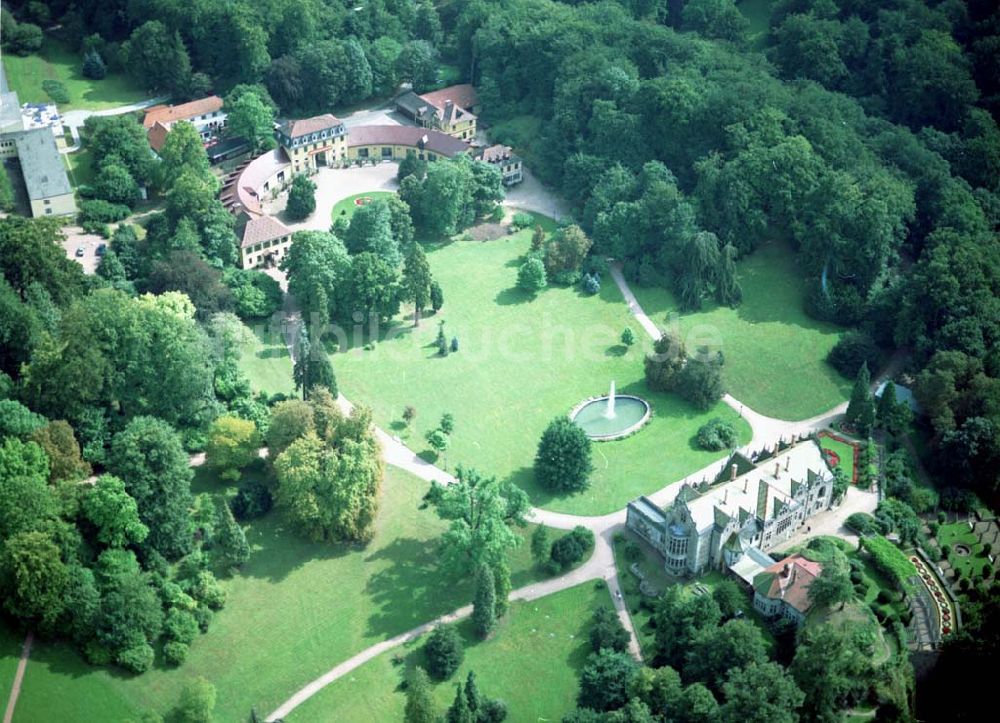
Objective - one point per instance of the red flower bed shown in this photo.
(836, 457)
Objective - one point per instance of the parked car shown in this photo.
(79, 251)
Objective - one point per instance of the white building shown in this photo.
(758, 507)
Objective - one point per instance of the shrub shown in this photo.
(945, 550)
(716, 435)
(862, 523)
(591, 284)
(522, 220)
(252, 500)
(572, 547)
(56, 91)
(443, 652)
(854, 349)
(531, 276)
(138, 658)
(889, 559)
(100, 211)
(301, 198)
(175, 652)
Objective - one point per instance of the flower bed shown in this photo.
(834, 458)
(945, 610)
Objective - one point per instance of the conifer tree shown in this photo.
(501, 573)
(419, 705)
(861, 408)
(484, 615)
(472, 696)
(231, 542)
(459, 711)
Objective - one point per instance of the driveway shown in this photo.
(531, 195)
(336, 184)
(382, 116)
(76, 238)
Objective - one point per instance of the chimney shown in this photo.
(777, 469)
(762, 500)
(745, 483)
(732, 473)
(788, 462)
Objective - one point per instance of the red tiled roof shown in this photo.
(157, 136)
(790, 581)
(463, 95)
(263, 228)
(435, 141)
(168, 114)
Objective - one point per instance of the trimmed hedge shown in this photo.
(889, 559)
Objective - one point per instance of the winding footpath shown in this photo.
(766, 431)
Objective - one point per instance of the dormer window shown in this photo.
(323, 134)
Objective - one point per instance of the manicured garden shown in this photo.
(294, 610)
(965, 552)
(841, 453)
(522, 361)
(55, 61)
(531, 662)
(775, 354)
(347, 206)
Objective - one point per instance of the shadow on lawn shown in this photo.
(277, 550)
(412, 589)
(513, 295)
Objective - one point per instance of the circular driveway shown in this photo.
(336, 184)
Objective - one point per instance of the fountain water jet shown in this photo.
(610, 411)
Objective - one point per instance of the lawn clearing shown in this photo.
(532, 662)
(775, 354)
(522, 362)
(81, 167)
(266, 361)
(347, 206)
(295, 610)
(55, 61)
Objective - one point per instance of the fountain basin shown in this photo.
(630, 413)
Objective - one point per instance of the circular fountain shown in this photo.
(611, 417)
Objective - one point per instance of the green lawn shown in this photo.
(55, 61)
(532, 662)
(81, 167)
(844, 451)
(10, 649)
(346, 207)
(522, 362)
(266, 362)
(775, 354)
(294, 611)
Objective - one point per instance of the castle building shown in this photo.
(313, 142)
(748, 511)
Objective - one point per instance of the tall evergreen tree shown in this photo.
(231, 541)
(459, 711)
(472, 693)
(501, 573)
(484, 614)
(861, 409)
(419, 705)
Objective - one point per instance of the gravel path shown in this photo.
(15, 689)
